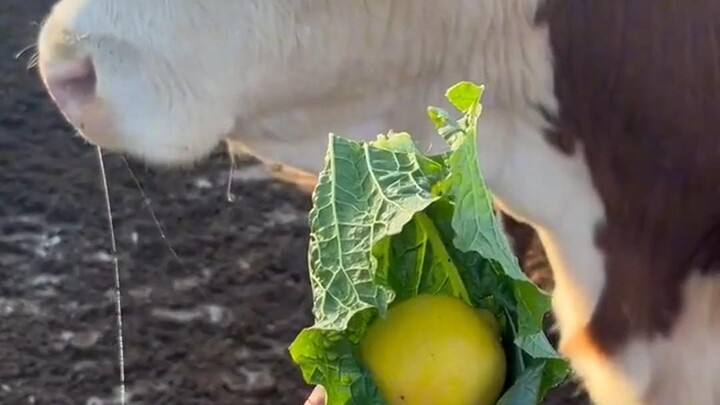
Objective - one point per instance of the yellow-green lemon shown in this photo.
(435, 350)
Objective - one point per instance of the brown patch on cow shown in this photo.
(707, 257)
(638, 83)
(581, 344)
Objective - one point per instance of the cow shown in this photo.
(601, 130)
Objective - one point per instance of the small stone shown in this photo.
(177, 316)
(185, 284)
(216, 313)
(259, 382)
(85, 340)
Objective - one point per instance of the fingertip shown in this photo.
(317, 397)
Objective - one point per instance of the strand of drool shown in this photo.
(118, 290)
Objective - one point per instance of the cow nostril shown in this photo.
(70, 83)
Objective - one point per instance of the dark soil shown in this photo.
(209, 325)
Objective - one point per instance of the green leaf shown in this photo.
(477, 229)
(329, 358)
(465, 96)
(419, 262)
(526, 389)
(363, 194)
(476, 223)
(389, 223)
(534, 382)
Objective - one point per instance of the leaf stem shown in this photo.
(440, 249)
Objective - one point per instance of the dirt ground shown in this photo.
(209, 325)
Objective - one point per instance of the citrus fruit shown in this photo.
(435, 350)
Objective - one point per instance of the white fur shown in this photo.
(175, 77)
(682, 368)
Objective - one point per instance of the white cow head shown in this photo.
(166, 80)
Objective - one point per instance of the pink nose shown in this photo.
(71, 84)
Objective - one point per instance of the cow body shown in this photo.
(599, 130)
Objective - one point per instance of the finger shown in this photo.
(317, 397)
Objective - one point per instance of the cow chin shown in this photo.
(170, 138)
(161, 138)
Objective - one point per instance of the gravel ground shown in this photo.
(209, 310)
